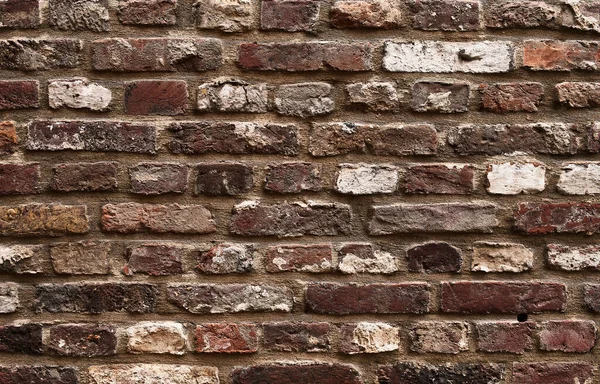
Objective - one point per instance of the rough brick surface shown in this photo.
(82, 258)
(505, 337)
(552, 373)
(226, 338)
(85, 177)
(369, 338)
(153, 12)
(153, 373)
(296, 337)
(419, 373)
(446, 15)
(439, 337)
(511, 97)
(289, 373)
(87, 340)
(18, 95)
(366, 14)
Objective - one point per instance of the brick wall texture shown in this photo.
(299, 191)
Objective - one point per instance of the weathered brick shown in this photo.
(158, 178)
(154, 97)
(343, 299)
(501, 257)
(175, 218)
(26, 338)
(568, 336)
(293, 177)
(544, 218)
(375, 96)
(552, 373)
(304, 100)
(251, 218)
(20, 14)
(224, 179)
(156, 55)
(591, 297)
(154, 260)
(230, 298)
(290, 15)
(234, 138)
(227, 258)
(511, 337)
(82, 258)
(369, 338)
(8, 138)
(18, 374)
(152, 373)
(78, 93)
(366, 179)
(296, 337)
(96, 136)
(502, 297)
(43, 220)
(447, 57)
(553, 55)
(148, 12)
(429, 96)
(308, 56)
(9, 298)
(384, 14)
(454, 179)
(40, 55)
(568, 258)
(444, 217)
(434, 258)
(423, 373)
(331, 139)
(515, 178)
(96, 298)
(153, 337)
(82, 340)
(579, 95)
(297, 373)
(445, 15)
(511, 97)
(579, 179)
(83, 177)
(361, 258)
(19, 179)
(316, 258)
(19, 94)
(84, 15)
(23, 259)
(439, 337)
(226, 338)
(232, 96)
(226, 16)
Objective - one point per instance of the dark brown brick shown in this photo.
(25, 338)
(18, 94)
(304, 373)
(226, 338)
(158, 178)
(434, 258)
(84, 177)
(154, 260)
(224, 179)
(317, 258)
(154, 97)
(296, 337)
(544, 218)
(82, 340)
(420, 373)
(511, 97)
(440, 179)
(43, 220)
(20, 374)
(591, 297)
(290, 15)
(511, 337)
(83, 258)
(552, 373)
(40, 55)
(293, 178)
(445, 15)
(19, 179)
(20, 14)
(522, 14)
(148, 12)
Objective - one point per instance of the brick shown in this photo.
(230, 298)
(361, 258)
(82, 258)
(158, 178)
(385, 14)
(538, 138)
(224, 179)
(440, 97)
(422, 373)
(568, 336)
(549, 55)
(452, 179)
(154, 260)
(252, 218)
(95, 136)
(166, 337)
(552, 373)
(157, 218)
(315, 258)
(373, 97)
(502, 297)
(17, 374)
(79, 93)
(23, 259)
(43, 220)
(144, 12)
(591, 297)
(96, 298)
(297, 373)
(232, 96)
(445, 15)
(86, 15)
(366, 179)
(19, 94)
(20, 14)
(566, 258)
(290, 15)
(26, 338)
(432, 218)
(515, 178)
(153, 97)
(511, 97)
(293, 177)
(344, 299)
(229, 16)
(296, 337)
(332, 139)
(593, 138)
(84, 177)
(304, 100)
(152, 373)
(19, 179)
(579, 179)
(82, 340)
(439, 337)
(40, 55)
(501, 257)
(226, 338)
(9, 298)
(448, 57)
(156, 55)
(544, 218)
(505, 336)
(227, 258)
(369, 338)
(308, 56)
(234, 138)
(8, 138)
(579, 95)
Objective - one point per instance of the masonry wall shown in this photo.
(299, 191)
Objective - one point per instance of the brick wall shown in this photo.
(299, 191)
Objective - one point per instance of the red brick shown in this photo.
(153, 97)
(591, 297)
(224, 179)
(552, 373)
(441, 97)
(502, 297)
(158, 178)
(148, 12)
(511, 97)
(568, 336)
(226, 338)
(154, 260)
(297, 373)
(19, 374)
(296, 337)
(505, 336)
(19, 179)
(290, 15)
(82, 340)
(549, 55)
(316, 258)
(293, 178)
(440, 179)
(544, 218)
(8, 138)
(385, 14)
(20, 14)
(26, 338)
(579, 94)
(18, 94)
(84, 177)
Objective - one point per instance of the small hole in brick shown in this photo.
(522, 317)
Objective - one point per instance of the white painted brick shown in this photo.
(364, 179)
(573, 258)
(501, 257)
(580, 179)
(78, 93)
(515, 178)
